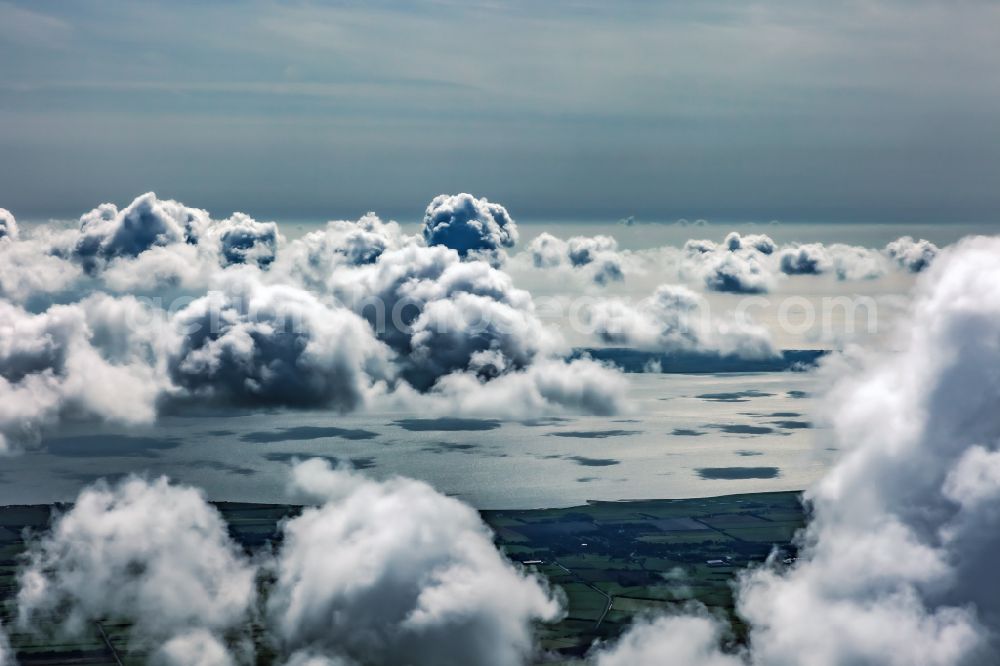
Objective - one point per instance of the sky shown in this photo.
(808, 111)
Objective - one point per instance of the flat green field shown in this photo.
(613, 561)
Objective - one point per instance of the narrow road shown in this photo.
(107, 642)
(610, 599)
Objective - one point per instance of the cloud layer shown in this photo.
(157, 304)
(147, 553)
(369, 573)
(676, 319)
(468, 225)
(393, 572)
(740, 264)
(895, 565)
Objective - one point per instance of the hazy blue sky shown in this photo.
(793, 110)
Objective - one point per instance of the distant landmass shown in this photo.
(693, 363)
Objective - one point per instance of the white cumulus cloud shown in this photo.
(393, 572)
(148, 553)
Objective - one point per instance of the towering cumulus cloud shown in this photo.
(463, 325)
(373, 573)
(342, 244)
(240, 239)
(741, 264)
(107, 233)
(897, 564)
(676, 319)
(147, 553)
(847, 262)
(912, 255)
(158, 304)
(393, 572)
(92, 358)
(596, 254)
(256, 344)
(468, 225)
(8, 225)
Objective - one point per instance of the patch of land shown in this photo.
(613, 561)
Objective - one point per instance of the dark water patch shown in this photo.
(798, 395)
(792, 425)
(746, 454)
(220, 433)
(687, 432)
(219, 466)
(447, 424)
(593, 462)
(594, 434)
(734, 396)
(450, 447)
(306, 433)
(700, 363)
(586, 479)
(119, 446)
(741, 429)
(786, 415)
(625, 421)
(361, 462)
(545, 421)
(734, 473)
(91, 477)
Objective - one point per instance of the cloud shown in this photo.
(153, 246)
(6, 652)
(81, 359)
(257, 344)
(676, 319)
(314, 257)
(443, 315)
(759, 242)
(107, 233)
(897, 563)
(847, 262)
(547, 385)
(808, 259)
(547, 251)
(147, 553)
(912, 255)
(29, 268)
(752, 263)
(197, 647)
(688, 640)
(583, 250)
(468, 225)
(737, 273)
(243, 240)
(353, 312)
(391, 572)
(598, 255)
(8, 225)
(741, 264)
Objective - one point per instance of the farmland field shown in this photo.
(612, 560)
